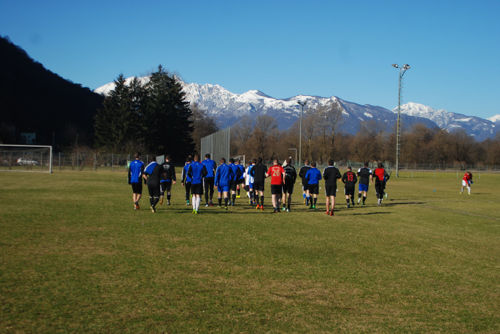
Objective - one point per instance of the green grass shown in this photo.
(75, 257)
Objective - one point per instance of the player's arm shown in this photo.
(204, 171)
(129, 175)
(355, 178)
(344, 178)
(173, 177)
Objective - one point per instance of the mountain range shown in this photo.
(227, 108)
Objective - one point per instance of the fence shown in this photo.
(94, 161)
(217, 144)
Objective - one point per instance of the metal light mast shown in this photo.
(402, 70)
(302, 104)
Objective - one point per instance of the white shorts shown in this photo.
(465, 183)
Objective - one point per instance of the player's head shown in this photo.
(289, 161)
(137, 155)
(231, 161)
(275, 162)
(330, 162)
(222, 161)
(196, 157)
(237, 161)
(167, 158)
(152, 159)
(313, 164)
(207, 156)
(189, 158)
(259, 160)
(306, 162)
(380, 165)
(349, 168)
(254, 161)
(366, 164)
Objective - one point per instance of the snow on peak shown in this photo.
(495, 119)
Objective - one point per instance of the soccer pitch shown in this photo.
(75, 257)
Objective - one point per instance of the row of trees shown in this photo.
(150, 117)
(322, 139)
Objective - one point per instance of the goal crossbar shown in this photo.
(49, 147)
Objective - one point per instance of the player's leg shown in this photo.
(188, 190)
(205, 186)
(162, 192)
(219, 195)
(168, 190)
(327, 202)
(332, 203)
(346, 193)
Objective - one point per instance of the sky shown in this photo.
(282, 48)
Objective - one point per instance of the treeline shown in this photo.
(322, 139)
(150, 117)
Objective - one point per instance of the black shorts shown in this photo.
(247, 188)
(313, 188)
(197, 189)
(154, 189)
(241, 181)
(288, 188)
(209, 183)
(331, 190)
(136, 188)
(305, 187)
(276, 189)
(258, 186)
(165, 186)
(349, 190)
(232, 185)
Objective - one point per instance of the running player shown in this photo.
(313, 176)
(277, 174)
(466, 182)
(167, 179)
(258, 173)
(152, 175)
(302, 175)
(208, 180)
(223, 177)
(249, 182)
(135, 172)
(365, 176)
(380, 177)
(349, 180)
(290, 177)
(186, 179)
(331, 174)
(240, 182)
(197, 172)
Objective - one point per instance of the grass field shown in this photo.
(75, 257)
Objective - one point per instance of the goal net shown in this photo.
(25, 158)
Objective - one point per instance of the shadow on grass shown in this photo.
(403, 203)
(370, 213)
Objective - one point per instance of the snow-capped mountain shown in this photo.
(495, 119)
(227, 108)
(478, 127)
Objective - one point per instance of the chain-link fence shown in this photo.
(88, 160)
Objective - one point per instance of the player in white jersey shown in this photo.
(249, 183)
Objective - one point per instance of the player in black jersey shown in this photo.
(167, 179)
(258, 173)
(331, 174)
(290, 177)
(302, 175)
(152, 175)
(365, 175)
(349, 180)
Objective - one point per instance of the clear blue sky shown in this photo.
(283, 48)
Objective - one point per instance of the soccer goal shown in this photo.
(25, 158)
(241, 158)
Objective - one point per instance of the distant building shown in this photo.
(28, 138)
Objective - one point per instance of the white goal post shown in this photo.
(25, 158)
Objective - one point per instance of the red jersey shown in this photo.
(467, 177)
(276, 172)
(379, 173)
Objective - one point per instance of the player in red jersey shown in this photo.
(380, 177)
(466, 182)
(277, 174)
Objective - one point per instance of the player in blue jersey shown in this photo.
(135, 171)
(240, 182)
(223, 178)
(197, 172)
(313, 176)
(209, 180)
(186, 180)
(152, 175)
(167, 179)
(249, 182)
(234, 181)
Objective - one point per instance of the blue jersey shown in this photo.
(210, 166)
(241, 172)
(185, 177)
(135, 171)
(196, 171)
(223, 176)
(235, 170)
(313, 176)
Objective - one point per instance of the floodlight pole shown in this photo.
(402, 70)
(302, 104)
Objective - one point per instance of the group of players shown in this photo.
(201, 177)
